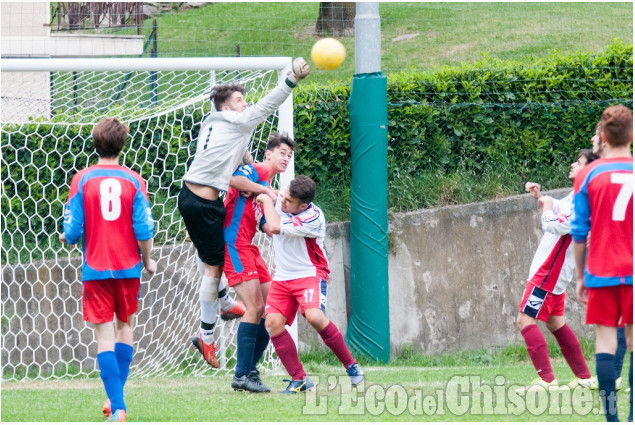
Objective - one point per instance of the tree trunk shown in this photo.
(337, 19)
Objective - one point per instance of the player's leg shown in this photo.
(569, 346)
(533, 307)
(250, 294)
(603, 311)
(280, 311)
(229, 308)
(204, 222)
(313, 308)
(99, 306)
(262, 338)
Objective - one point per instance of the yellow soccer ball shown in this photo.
(328, 54)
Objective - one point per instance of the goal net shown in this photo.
(49, 107)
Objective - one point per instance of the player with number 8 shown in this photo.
(603, 206)
(108, 207)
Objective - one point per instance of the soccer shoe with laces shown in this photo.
(106, 408)
(298, 386)
(590, 383)
(538, 385)
(118, 416)
(207, 350)
(235, 312)
(249, 383)
(355, 373)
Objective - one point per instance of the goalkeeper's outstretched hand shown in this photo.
(299, 70)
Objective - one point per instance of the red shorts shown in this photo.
(540, 304)
(610, 305)
(248, 260)
(286, 295)
(104, 298)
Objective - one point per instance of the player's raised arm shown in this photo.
(271, 216)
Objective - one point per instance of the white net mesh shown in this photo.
(47, 118)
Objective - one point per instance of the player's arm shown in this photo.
(579, 253)
(148, 263)
(244, 184)
(559, 224)
(267, 105)
(73, 226)
(143, 226)
(272, 224)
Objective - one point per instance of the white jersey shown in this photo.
(299, 248)
(224, 138)
(553, 266)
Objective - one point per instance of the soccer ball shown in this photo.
(328, 54)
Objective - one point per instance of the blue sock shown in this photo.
(262, 341)
(605, 368)
(245, 341)
(124, 358)
(630, 382)
(621, 351)
(109, 371)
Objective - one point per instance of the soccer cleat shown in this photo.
(298, 386)
(538, 385)
(106, 408)
(118, 416)
(207, 350)
(590, 383)
(355, 373)
(618, 385)
(249, 383)
(236, 312)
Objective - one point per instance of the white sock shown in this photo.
(208, 298)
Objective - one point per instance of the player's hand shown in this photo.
(150, 265)
(262, 198)
(533, 189)
(272, 194)
(248, 158)
(580, 290)
(299, 70)
(546, 203)
(246, 194)
(63, 238)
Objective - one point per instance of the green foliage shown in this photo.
(470, 133)
(457, 135)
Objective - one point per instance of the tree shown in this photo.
(336, 18)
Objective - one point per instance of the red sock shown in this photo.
(537, 349)
(570, 347)
(288, 354)
(335, 341)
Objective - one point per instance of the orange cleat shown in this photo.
(106, 408)
(207, 350)
(236, 312)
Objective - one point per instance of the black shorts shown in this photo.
(204, 222)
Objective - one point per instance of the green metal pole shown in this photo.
(368, 330)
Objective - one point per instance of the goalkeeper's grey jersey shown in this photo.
(224, 137)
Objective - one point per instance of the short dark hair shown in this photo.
(617, 125)
(302, 188)
(109, 136)
(221, 92)
(588, 154)
(278, 139)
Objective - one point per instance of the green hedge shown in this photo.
(474, 117)
(455, 135)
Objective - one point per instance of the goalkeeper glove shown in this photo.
(299, 70)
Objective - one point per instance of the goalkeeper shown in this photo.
(222, 141)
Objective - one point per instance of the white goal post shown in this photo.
(49, 107)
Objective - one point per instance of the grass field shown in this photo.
(475, 386)
(418, 35)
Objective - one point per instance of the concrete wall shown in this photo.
(456, 275)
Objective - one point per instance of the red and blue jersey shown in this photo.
(243, 214)
(603, 205)
(108, 208)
